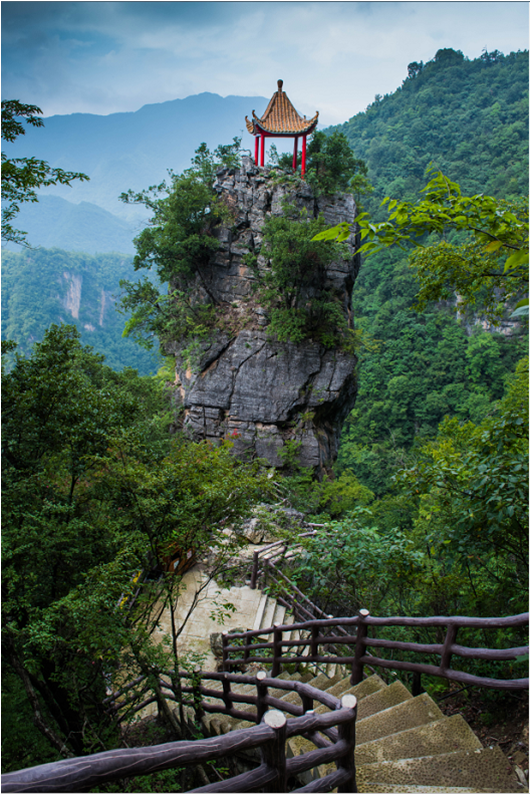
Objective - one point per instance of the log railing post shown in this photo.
(254, 574)
(196, 694)
(277, 650)
(261, 694)
(246, 652)
(225, 653)
(274, 752)
(416, 684)
(314, 646)
(347, 732)
(446, 654)
(357, 666)
(227, 699)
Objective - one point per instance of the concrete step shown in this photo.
(447, 735)
(269, 611)
(279, 614)
(483, 768)
(406, 715)
(260, 612)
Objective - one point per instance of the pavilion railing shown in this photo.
(332, 732)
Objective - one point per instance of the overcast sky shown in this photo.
(104, 57)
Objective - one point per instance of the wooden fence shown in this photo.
(250, 646)
(332, 732)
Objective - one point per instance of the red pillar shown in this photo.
(256, 142)
(303, 164)
(295, 153)
(262, 150)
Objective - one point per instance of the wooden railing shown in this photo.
(246, 647)
(332, 732)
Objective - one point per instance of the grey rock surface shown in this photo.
(244, 384)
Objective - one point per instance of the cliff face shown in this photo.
(262, 392)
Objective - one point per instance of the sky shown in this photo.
(108, 57)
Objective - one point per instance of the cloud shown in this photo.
(104, 57)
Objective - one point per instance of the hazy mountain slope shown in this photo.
(134, 150)
(54, 222)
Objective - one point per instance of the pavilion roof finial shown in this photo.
(280, 83)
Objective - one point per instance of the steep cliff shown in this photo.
(244, 383)
(45, 286)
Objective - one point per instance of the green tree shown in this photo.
(177, 245)
(293, 286)
(22, 176)
(330, 165)
(94, 492)
(492, 264)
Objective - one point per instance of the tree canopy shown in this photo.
(94, 492)
(497, 229)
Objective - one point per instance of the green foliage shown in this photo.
(293, 287)
(94, 492)
(177, 245)
(349, 564)
(473, 509)
(467, 117)
(330, 165)
(22, 176)
(497, 229)
(40, 287)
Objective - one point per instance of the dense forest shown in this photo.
(44, 286)
(470, 120)
(428, 510)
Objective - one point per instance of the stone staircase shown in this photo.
(403, 744)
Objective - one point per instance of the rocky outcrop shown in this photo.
(244, 384)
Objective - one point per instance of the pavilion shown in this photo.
(281, 120)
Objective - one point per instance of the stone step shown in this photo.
(383, 699)
(320, 682)
(406, 715)
(483, 768)
(267, 616)
(279, 614)
(218, 723)
(260, 612)
(365, 688)
(447, 735)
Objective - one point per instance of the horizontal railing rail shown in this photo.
(332, 732)
(278, 652)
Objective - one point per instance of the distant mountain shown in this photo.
(133, 150)
(56, 223)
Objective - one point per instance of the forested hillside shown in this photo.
(41, 287)
(470, 120)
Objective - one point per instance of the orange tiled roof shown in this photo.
(281, 118)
